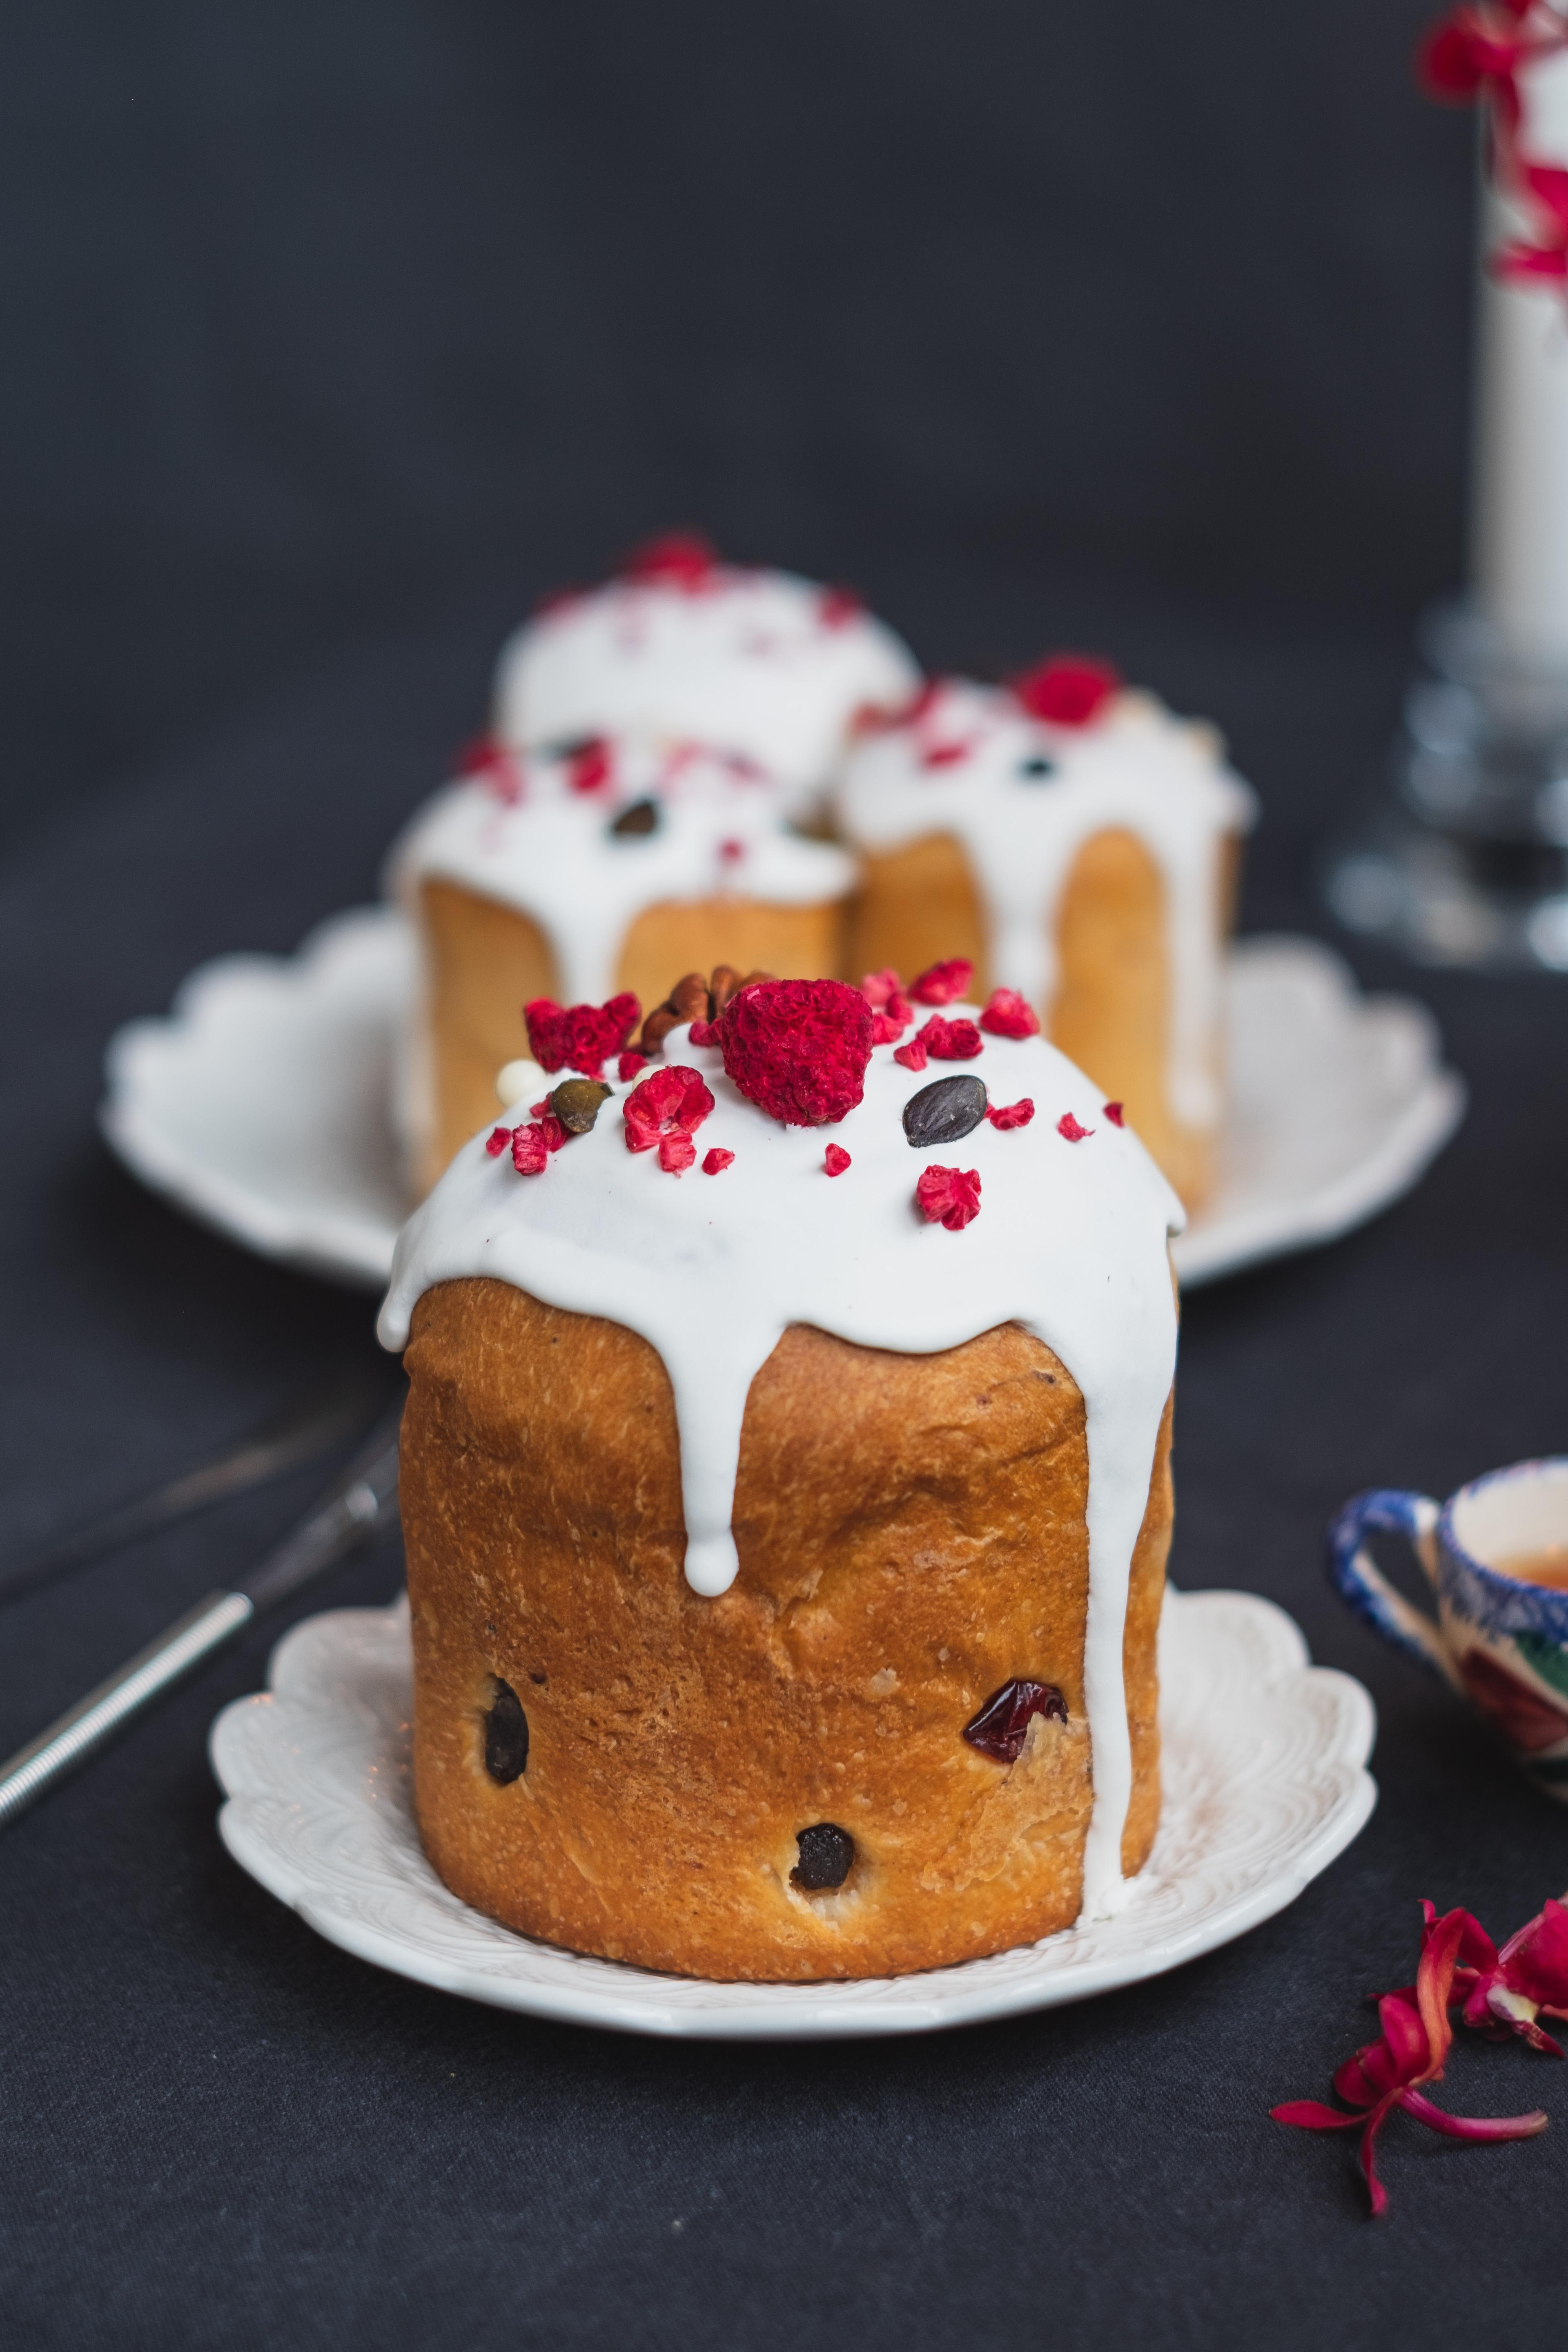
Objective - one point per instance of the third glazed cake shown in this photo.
(785, 1487)
(1079, 845)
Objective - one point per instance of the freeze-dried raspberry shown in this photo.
(497, 1140)
(948, 1196)
(836, 607)
(943, 983)
(629, 1064)
(1066, 690)
(1116, 1114)
(673, 1101)
(717, 1161)
(1008, 1016)
(1006, 1115)
(949, 1041)
(704, 1033)
(835, 1159)
(579, 1036)
(890, 1024)
(530, 1153)
(1067, 1126)
(588, 765)
(798, 1048)
(878, 987)
(676, 558)
(675, 1152)
(913, 1055)
(554, 1130)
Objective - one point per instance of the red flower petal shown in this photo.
(1004, 1116)
(943, 983)
(1310, 2115)
(835, 1159)
(948, 1196)
(717, 1161)
(1066, 690)
(1493, 2127)
(1068, 1127)
(1008, 1016)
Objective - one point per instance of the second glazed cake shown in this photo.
(1079, 845)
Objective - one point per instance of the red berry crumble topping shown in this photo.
(629, 1064)
(579, 1036)
(797, 1049)
(835, 1159)
(1008, 1016)
(1006, 1115)
(1116, 1114)
(664, 1112)
(948, 1196)
(1066, 690)
(943, 983)
(717, 1161)
(676, 558)
(949, 1041)
(1069, 1128)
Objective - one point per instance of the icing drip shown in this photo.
(550, 851)
(761, 662)
(1072, 1243)
(1022, 797)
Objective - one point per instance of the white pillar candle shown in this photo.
(1521, 514)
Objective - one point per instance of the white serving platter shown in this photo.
(260, 1103)
(1264, 1762)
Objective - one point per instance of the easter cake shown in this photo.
(786, 1488)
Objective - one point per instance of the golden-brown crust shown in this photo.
(1111, 1012)
(911, 1535)
(484, 961)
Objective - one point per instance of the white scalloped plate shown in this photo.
(259, 1104)
(1264, 1763)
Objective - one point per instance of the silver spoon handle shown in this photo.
(94, 1722)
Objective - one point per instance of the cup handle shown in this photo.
(1358, 1578)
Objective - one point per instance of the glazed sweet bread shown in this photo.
(681, 647)
(786, 1496)
(581, 874)
(1081, 847)
(657, 740)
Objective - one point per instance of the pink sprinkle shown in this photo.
(1068, 1127)
(1006, 1115)
(913, 1056)
(1115, 1114)
(497, 1140)
(835, 1159)
(1008, 1016)
(530, 1155)
(629, 1064)
(675, 1152)
(717, 1161)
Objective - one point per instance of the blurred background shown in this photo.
(328, 325)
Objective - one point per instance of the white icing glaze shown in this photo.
(761, 662)
(1071, 1242)
(958, 766)
(550, 852)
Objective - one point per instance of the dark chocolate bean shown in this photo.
(641, 817)
(826, 1857)
(506, 1734)
(1002, 1724)
(945, 1111)
(575, 1103)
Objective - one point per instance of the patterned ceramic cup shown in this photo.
(1498, 1640)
